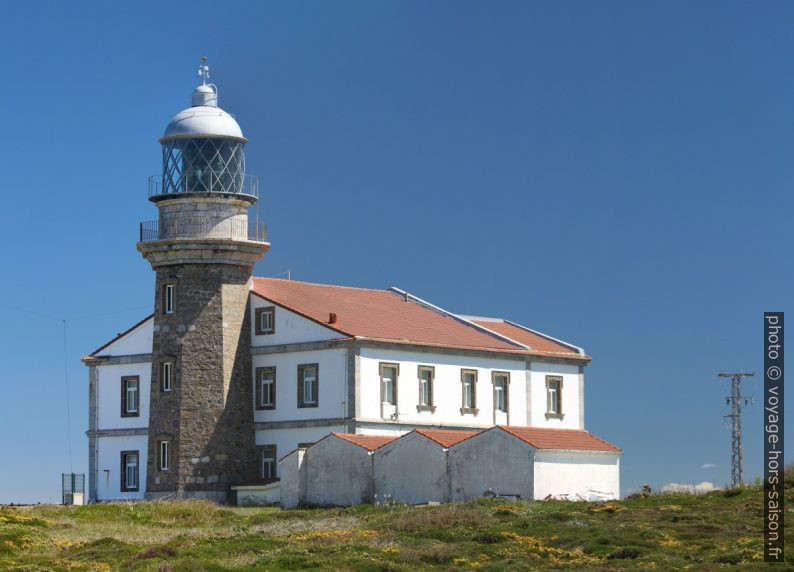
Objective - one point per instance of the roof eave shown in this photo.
(118, 337)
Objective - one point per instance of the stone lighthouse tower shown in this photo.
(202, 249)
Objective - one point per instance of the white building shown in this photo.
(233, 372)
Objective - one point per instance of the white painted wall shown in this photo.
(338, 473)
(109, 395)
(571, 473)
(571, 382)
(287, 440)
(293, 479)
(386, 430)
(136, 342)
(493, 460)
(259, 495)
(412, 469)
(291, 328)
(109, 466)
(332, 374)
(447, 388)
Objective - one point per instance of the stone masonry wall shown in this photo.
(208, 415)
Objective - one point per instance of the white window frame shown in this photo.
(468, 390)
(500, 390)
(270, 385)
(266, 321)
(127, 484)
(164, 460)
(268, 462)
(309, 383)
(426, 375)
(169, 298)
(308, 398)
(553, 396)
(388, 385)
(166, 375)
(132, 396)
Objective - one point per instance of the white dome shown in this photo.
(202, 121)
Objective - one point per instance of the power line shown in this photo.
(735, 401)
(41, 315)
(74, 318)
(66, 360)
(68, 402)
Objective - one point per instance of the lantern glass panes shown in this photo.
(203, 166)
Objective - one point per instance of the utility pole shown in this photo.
(735, 416)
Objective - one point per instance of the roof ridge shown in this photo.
(384, 290)
(483, 318)
(494, 332)
(547, 336)
(457, 317)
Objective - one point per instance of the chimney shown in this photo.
(332, 318)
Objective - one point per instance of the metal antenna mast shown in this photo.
(735, 416)
(204, 70)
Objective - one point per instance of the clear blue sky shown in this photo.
(617, 174)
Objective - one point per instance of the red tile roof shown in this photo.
(534, 340)
(386, 316)
(567, 439)
(368, 442)
(446, 437)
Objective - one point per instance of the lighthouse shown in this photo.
(202, 248)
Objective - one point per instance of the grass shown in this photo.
(714, 531)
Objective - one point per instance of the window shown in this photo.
(265, 388)
(169, 300)
(129, 471)
(268, 462)
(500, 383)
(130, 396)
(468, 380)
(426, 374)
(265, 320)
(166, 373)
(308, 385)
(164, 460)
(388, 383)
(553, 396)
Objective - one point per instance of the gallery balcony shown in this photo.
(202, 228)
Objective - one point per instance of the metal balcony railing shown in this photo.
(202, 227)
(207, 182)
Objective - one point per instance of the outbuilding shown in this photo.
(337, 470)
(535, 463)
(413, 468)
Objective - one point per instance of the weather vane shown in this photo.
(204, 70)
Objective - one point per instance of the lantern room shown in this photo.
(203, 150)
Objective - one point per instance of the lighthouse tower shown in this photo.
(202, 248)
